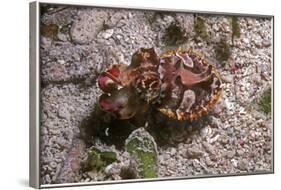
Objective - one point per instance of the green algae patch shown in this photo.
(142, 147)
(222, 51)
(235, 28)
(264, 102)
(98, 160)
(200, 28)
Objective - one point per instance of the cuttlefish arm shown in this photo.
(190, 79)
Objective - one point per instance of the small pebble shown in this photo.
(107, 34)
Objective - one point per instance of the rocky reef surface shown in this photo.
(80, 143)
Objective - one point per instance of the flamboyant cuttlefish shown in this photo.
(179, 83)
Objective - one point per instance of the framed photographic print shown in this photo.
(131, 94)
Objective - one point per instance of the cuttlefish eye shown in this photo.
(108, 81)
(106, 84)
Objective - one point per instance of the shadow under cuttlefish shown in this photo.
(111, 131)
